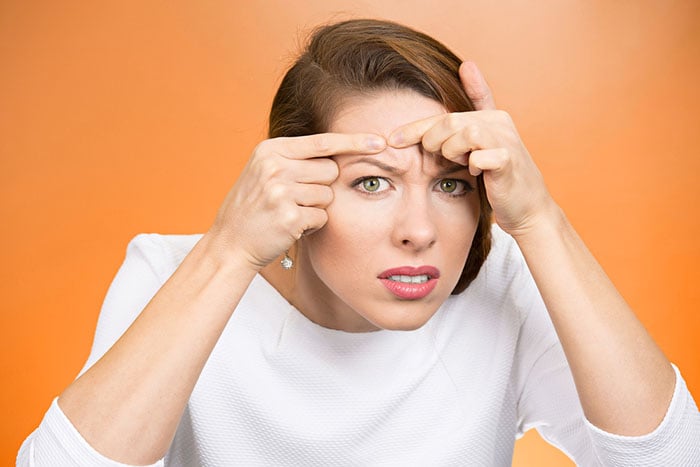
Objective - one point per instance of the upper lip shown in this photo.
(431, 271)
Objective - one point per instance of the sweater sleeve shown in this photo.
(56, 441)
(676, 441)
(548, 402)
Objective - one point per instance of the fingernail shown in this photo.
(396, 139)
(375, 142)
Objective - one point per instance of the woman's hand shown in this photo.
(283, 192)
(486, 140)
(591, 319)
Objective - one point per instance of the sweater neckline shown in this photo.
(368, 356)
(291, 321)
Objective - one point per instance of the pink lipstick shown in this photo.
(410, 283)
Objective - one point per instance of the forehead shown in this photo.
(381, 112)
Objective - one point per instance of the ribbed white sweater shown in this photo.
(280, 390)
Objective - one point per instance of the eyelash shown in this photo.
(357, 183)
(466, 186)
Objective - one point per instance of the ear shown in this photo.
(476, 87)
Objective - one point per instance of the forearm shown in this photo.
(623, 379)
(128, 405)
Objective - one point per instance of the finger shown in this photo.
(313, 219)
(461, 133)
(494, 160)
(458, 147)
(476, 87)
(312, 195)
(412, 133)
(323, 171)
(295, 219)
(326, 144)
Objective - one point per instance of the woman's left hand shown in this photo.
(591, 319)
(485, 140)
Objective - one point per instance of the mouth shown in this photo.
(410, 283)
(420, 279)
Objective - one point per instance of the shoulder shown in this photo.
(505, 258)
(163, 253)
(150, 260)
(504, 266)
(504, 286)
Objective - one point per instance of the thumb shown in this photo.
(476, 87)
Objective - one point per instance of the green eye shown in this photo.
(448, 185)
(371, 184)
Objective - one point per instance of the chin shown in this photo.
(404, 326)
(405, 320)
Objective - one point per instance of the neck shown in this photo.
(304, 290)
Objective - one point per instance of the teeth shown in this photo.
(420, 279)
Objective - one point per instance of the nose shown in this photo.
(414, 227)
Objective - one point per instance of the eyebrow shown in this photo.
(446, 170)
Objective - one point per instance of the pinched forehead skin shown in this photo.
(394, 162)
(381, 112)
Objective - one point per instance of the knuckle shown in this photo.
(502, 156)
(330, 169)
(263, 147)
(451, 150)
(452, 121)
(321, 144)
(326, 195)
(431, 145)
(276, 193)
(358, 143)
(289, 219)
(319, 220)
(472, 132)
(268, 169)
(503, 116)
(323, 218)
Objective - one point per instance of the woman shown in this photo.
(353, 305)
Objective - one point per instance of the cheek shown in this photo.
(467, 220)
(457, 233)
(350, 238)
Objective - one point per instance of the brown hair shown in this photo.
(363, 56)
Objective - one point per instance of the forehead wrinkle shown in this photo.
(379, 164)
(430, 164)
(444, 166)
(389, 160)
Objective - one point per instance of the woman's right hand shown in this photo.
(282, 193)
(146, 378)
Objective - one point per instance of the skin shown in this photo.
(128, 405)
(409, 220)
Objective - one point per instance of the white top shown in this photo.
(281, 390)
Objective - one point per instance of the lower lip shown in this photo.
(410, 291)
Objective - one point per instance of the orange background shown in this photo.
(119, 118)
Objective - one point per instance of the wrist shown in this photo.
(225, 257)
(550, 221)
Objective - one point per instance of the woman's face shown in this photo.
(399, 228)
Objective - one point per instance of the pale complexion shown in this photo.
(400, 207)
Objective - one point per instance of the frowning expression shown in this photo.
(399, 228)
